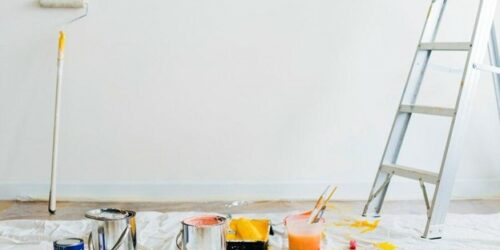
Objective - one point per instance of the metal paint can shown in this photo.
(112, 229)
(69, 244)
(206, 232)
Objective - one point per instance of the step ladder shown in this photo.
(483, 33)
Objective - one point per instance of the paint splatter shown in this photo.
(385, 246)
(364, 225)
(352, 245)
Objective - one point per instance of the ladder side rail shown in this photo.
(401, 120)
(495, 61)
(413, 82)
(454, 145)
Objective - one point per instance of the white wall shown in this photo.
(226, 99)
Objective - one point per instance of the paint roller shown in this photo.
(60, 64)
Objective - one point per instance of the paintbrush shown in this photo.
(320, 206)
(322, 211)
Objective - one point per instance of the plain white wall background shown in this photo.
(225, 99)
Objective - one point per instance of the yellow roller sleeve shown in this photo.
(62, 41)
(247, 231)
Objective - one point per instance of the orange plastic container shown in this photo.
(301, 234)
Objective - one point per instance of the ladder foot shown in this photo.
(436, 238)
(435, 232)
(371, 215)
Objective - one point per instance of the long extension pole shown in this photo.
(55, 132)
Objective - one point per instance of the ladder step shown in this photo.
(428, 110)
(445, 46)
(411, 173)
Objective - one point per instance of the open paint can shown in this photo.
(207, 232)
(112, 229)
(69, 244)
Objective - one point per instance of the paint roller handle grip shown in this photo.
(62, 42)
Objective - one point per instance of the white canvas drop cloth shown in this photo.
(158, 231)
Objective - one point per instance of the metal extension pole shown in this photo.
(495, 62)
(55, 131)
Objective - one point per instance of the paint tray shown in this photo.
(248, 234)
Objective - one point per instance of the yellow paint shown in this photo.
(62, 41)
(364, 225)
(385, 246)
(248, 229)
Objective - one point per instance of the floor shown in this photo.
(10, 210)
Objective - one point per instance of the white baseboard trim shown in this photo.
(228, 191)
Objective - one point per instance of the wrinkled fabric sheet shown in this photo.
(158, 231)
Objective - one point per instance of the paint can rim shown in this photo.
(98, 214)
(75, 242)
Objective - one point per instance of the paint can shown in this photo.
(69, 244)
(206, 232)
(112, 229)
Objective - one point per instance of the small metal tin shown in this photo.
(112, 229)
(202, 233)
(69, 244)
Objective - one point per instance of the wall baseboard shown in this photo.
(226, 191)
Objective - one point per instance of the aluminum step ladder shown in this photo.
(444, 179)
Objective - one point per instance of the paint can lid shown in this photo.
(69, 244)
(109, 214)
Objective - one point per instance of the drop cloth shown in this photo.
(158, 230)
